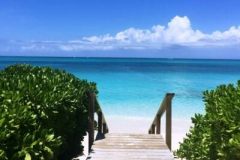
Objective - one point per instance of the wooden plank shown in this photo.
(130, 147)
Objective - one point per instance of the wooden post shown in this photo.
(169, 121)
(158, 124)
(153, 129)
(105, 130)
(100, 130)
(91, 106)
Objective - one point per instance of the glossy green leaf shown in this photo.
(40, 107)
(27, 156)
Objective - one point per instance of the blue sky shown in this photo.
(123, 28)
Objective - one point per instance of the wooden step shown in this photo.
(116, 146)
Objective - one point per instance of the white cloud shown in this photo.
(177, 32)
(232, 33)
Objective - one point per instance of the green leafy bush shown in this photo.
(43, 113)
(216, 134)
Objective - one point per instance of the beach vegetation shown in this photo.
(43, 113)
(216, 133)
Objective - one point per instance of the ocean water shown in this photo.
(132, 87)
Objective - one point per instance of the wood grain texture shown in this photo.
(130, 147)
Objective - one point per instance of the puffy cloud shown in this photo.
(233, 34)
(180, 31)
(177, 32)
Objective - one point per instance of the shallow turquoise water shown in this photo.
(135, 87)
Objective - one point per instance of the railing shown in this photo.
(94, 107)
(155, 128)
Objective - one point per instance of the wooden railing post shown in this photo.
(158, 124)
(153, 129)
(105, 130)
(100, 130)
(102, 124)
(91, 107)
(169, 121)
(166, 106)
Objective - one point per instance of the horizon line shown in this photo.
(108, 57)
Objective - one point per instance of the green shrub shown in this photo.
(216, 134)
(43, 113)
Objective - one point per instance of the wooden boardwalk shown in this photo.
(113, 146)
(130, 147)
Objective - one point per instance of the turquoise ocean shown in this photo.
(135, 87)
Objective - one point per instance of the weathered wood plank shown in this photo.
(130, 147)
